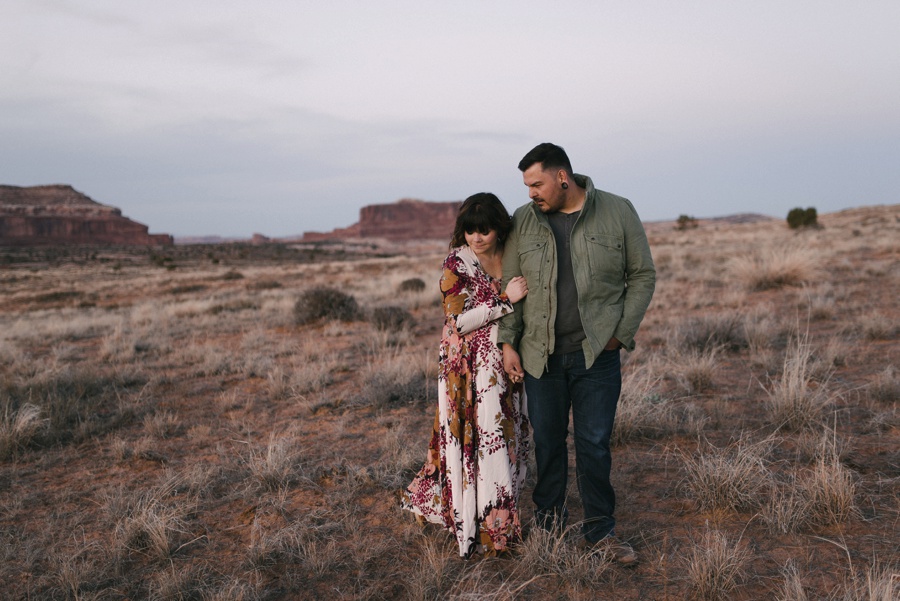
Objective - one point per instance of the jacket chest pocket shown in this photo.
(606, 254)
(532, 255)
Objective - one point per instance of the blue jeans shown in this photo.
(592, 395)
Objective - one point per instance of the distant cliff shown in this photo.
(59, 214)
(403, 220)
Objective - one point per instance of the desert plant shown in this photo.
(18, 428)
(694, 370)
(787, 509)
(792, 587)
(73, 570)
(391, 317)
(879, 583)
(717, 330)
(715, 566)
(436, 571)
(795, 401)
(875, 326)
(553, 552)
(885, 387)
(686, 222)
(78, 401)
(325, 303)
(797, 218)
(830, 492)
(153, 526)
(775, 267)
(310, 371)
(642, 411)
(276, 467)
(733, 477)
(162, 425)
(411, 285)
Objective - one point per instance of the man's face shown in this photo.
(544, 188)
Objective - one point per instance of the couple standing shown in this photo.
(579, 277)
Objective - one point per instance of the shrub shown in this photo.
(797, 218)
(391, 318)
(411, 285)
(685, 221)
(325, 303)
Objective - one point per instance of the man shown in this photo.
(585, 256)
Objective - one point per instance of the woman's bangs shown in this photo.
(477, 221)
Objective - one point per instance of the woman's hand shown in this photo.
(516, 289)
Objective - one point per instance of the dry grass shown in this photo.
(885, 387)
(174, 434)
(694, 370)
(797, 400)
(788, 265)
(715, 566)
(276, 466)
(18, 428)
(734, 477)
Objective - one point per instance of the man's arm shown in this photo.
(640, 274)
(511, 324)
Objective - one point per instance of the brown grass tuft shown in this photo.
(776, 267)
(734, 477)
(715, 566)
(796, 401)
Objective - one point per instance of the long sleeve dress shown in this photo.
(475, 466)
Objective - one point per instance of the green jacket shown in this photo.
(614, 276)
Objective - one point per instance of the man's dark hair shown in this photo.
(481, 213)
(550, 156)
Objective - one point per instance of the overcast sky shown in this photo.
(202, 117)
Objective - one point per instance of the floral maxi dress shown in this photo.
(475, 467)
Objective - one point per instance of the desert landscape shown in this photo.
(234, 422)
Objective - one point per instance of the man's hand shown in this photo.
(512, 364)
(612, 345)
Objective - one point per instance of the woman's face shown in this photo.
(482, 243)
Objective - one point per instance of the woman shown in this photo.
(475, 466)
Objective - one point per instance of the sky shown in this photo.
(229, 118)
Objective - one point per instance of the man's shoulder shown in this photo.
(524, 218)
(605, 196)
(523, 211)
(609, 203)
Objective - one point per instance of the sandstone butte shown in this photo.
(404, 220)
(59, 214)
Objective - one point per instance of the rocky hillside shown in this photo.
(403, 220)
(59, 214)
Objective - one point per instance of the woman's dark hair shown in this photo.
(481, 213)
(550, 156)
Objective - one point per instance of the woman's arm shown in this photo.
(454, 288)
